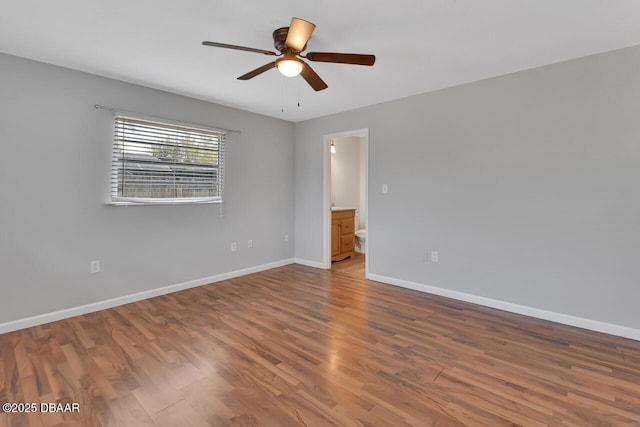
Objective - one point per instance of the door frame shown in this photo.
(326, 194)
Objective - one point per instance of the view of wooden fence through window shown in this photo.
(155, 162)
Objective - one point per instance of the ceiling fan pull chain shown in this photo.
(281, 93)
(298, 83)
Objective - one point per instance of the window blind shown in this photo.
(160, 162)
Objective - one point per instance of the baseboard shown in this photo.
(28, 322)
(565, 319)
(594, 325)
(308, 263)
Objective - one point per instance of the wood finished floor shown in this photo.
(297, 346)
(353, 266)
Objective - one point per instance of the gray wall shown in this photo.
(54, 172)
(528, 185)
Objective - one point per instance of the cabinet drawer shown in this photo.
(343, 214)
(346, 243)
(347, 226)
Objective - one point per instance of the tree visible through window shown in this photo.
(155, 161)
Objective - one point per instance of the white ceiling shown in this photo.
(420, 45)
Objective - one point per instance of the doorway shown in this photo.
(346, 204)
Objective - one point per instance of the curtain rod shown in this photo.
(113, 110)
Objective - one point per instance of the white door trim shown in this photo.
(326, 194)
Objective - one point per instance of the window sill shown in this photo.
(134, 202)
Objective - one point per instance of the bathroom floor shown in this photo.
(353, 266)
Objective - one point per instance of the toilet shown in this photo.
(361, 238)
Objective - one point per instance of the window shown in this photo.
(160, 162)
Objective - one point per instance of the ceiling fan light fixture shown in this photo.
(289, 67)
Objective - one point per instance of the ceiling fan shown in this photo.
(291, 41)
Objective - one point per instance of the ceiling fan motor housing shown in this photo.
(280, 37)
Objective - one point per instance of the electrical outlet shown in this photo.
(385, 188)
(250, 244)
(234, 246)
(434, 256)
(94, 266)
(286, 237)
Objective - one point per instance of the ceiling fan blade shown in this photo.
(341, 58)
(299, 34)
(232, 46)
(257, 71)
(312, 78)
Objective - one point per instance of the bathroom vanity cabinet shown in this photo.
(342, 233)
